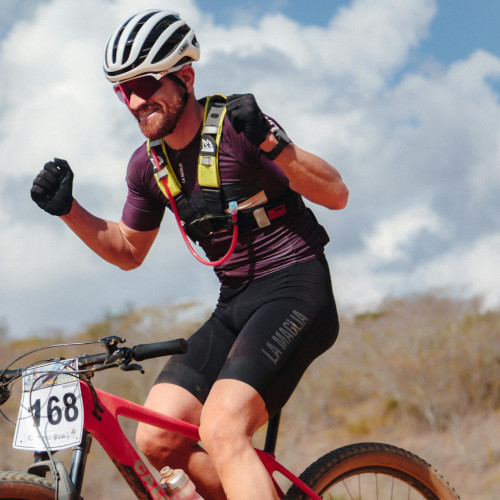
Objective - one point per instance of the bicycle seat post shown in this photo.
(272, 433)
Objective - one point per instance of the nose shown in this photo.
(135, 102)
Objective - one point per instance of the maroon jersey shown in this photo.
(288, 240)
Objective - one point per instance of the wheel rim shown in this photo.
(376, 484)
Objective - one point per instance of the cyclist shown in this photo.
(276, 310)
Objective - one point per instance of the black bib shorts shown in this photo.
(264, 333)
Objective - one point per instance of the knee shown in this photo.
(150, 439)
(232, 413)
(221, 436)
(210, 432)
(160, 446)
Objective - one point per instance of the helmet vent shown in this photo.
(150, 42)
(172, 43)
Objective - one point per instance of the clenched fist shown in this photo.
(52, 188)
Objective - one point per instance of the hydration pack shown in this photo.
(214, 197)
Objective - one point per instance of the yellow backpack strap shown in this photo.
(164, 175)
(208, 159)
(163, 171)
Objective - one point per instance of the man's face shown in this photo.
(158, 115)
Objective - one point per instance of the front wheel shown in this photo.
(369, 471)
(20, 485)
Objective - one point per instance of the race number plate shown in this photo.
(51, 411)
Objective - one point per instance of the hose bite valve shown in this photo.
(233, 208)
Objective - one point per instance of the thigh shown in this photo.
(294, 325)
(176, 402)
(233, 409)
(198, 369)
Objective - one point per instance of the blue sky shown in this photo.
(314, 13)
(403, 97)
(461, 27)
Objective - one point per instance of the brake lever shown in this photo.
(131, 367)
(111, 343)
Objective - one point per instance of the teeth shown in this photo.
(147, 113)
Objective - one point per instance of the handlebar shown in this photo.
(119, 356)
(158, 349)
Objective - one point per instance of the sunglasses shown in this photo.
(144, 87)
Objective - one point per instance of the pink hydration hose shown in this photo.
(233, 208)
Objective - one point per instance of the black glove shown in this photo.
(246, 116)
(53, 186)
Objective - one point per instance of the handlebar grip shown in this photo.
(158, 349)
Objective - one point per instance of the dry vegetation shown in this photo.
(421, 372)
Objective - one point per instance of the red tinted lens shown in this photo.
(144, 87)
(120, 93)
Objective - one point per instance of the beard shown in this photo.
(165, 118)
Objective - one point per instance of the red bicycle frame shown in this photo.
(102, 423)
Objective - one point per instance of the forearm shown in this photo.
(308, 174)
(311, 176)
(105, 238)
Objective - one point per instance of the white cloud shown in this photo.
(369, 40)
(469, 270)
(392, 237)
(32, 261)
(418, 147)
(474, 268)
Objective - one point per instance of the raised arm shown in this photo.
(307, 173)
(310, 175)
(113, 241)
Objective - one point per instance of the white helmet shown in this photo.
(153, 41)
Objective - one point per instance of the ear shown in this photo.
(186, 74)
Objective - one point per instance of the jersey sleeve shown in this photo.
(145, 204)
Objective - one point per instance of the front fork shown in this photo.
(69, 485)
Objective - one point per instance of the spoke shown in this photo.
(357, 472)
(372, 486)
(347, 489)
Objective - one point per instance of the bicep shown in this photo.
(138, 242)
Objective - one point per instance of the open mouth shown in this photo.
(147, 113)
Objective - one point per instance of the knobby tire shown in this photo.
(367, 471)
(20, 485)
